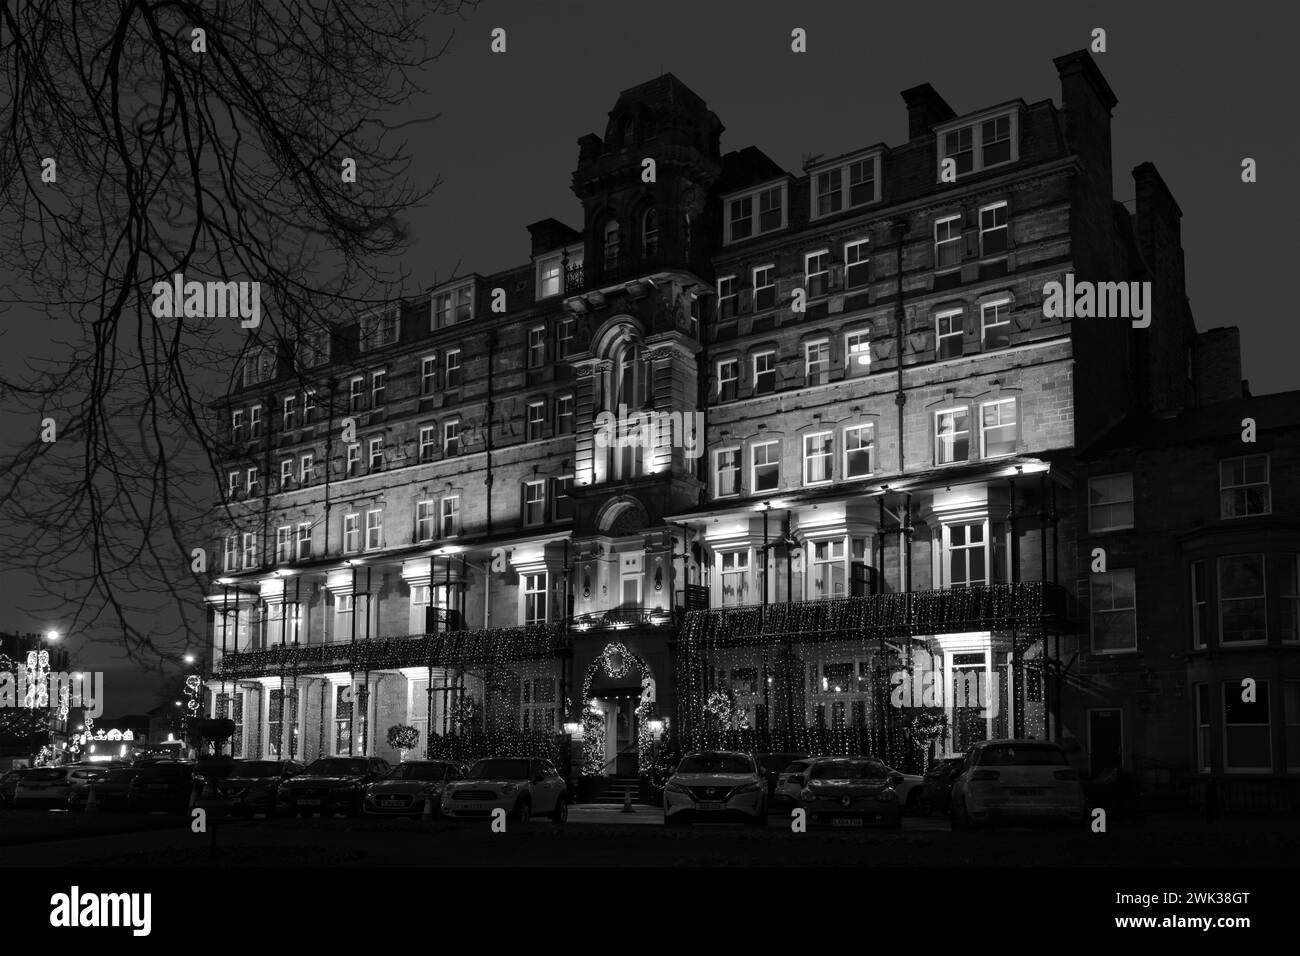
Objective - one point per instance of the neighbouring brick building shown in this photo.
(871, 549)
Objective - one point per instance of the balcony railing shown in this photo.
(992, 607)
(621, 617)
(469, 649)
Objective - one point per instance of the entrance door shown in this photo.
(1105, 740)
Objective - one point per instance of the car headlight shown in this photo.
(745, 788)
(678, 788)
(887, 796)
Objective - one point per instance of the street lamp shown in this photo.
(51, 636)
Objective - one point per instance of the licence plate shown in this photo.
(309, 802)
(1028, 791)
(390, 801)
(710, 805)
(846, 822)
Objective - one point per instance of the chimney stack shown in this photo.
(925, 108)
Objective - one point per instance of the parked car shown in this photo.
(330, 785)
(910, 788)
(716, 785)
(851, 792)
(252, 786)
(937, 795)
(524, 787)
(772, 766)
(8, 782)
(1018, 781)
(790, 782)
(165, 785)
(50, 786)
(409, 786)
(110, 790)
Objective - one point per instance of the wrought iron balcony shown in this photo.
(1026, 605)
(469, 649)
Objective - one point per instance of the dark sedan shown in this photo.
(252, 786)
(330, 785)
(410, 786)
(161, 786)
(110, 790)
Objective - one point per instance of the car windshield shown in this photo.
(165, 770)
(799, 766)
(255, 768)
(1022, 755)
(37, 776)
(417, 771)
(337, 766)
(848, 770)
(715, 763)
(118, 776)
(499, 770)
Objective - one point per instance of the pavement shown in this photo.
(608, 836)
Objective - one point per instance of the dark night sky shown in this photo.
(1196, 95)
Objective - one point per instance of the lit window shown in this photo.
(857, 351)
(817, 453)
(947, 242)
(374, 529)
(735, 577)
(1110, 503)
(726, 471)
(548, 276)
(859, 442)
(1244, 487)
(949, 332)
(766, 470)
(829, 578)
(965, 555)
(998, 428)
(1113, 603)
(952, 436)
(1243, 609)
(995, 324)
(856, 259)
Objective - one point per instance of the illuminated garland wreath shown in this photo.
(617, 661)
(929, 725)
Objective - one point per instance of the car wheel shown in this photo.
(561, 814)
(523, 811)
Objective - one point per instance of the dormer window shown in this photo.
(980, 142)
(453, 305)
(756, 213)
(846, 185)
(379, 329)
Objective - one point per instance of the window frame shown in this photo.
(823, 360)
(723, 380)
(527, 518)
(823, 257)
(535, 427)
(826, 456)
(1130, 500)
(756, 288)
(380, 317)
(445, 515)
(451, 438)
(985, 429)
(941, 245)
(1005, 228)
(766, 353)
(732, 296)
(1224, 601)
(1267, 484)
(738, 454)
(842, 170)
(996, 305)
(857, 245)
(374, 528)
(1093, 611)
(352, 529)
(938, 415)
(754, 465)
(754, 197)
(975, 125)
(940, 336)
(870, 448)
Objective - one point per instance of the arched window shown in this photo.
(611, 244)
(650, 233)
